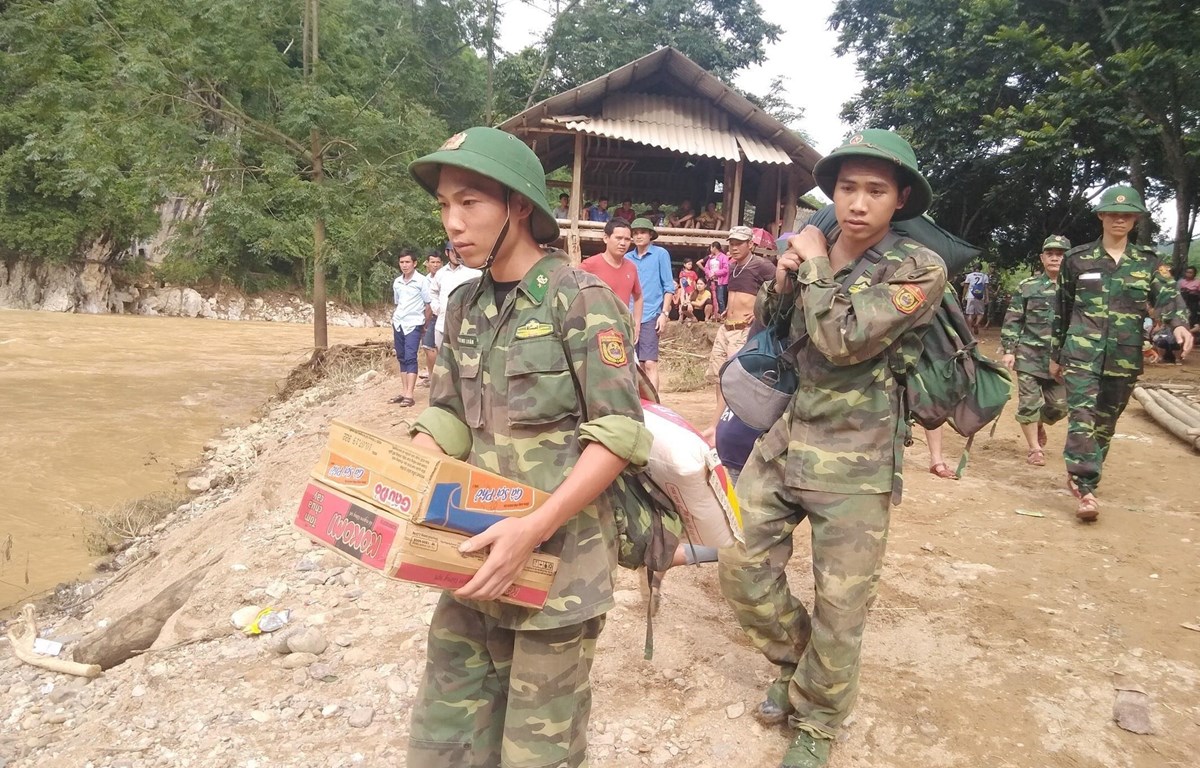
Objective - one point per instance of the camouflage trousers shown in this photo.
(1094, 403)
(1040, 399)
(817, 655)
(499, 698)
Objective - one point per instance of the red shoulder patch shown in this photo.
(612, 348)
(908, 298)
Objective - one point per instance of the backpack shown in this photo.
(977, 289)
(649, 528)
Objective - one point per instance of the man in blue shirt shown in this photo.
(600, 212)
(654, 273)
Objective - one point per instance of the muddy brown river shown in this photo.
(96, 410)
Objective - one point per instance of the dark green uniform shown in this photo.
(835, 459)
(506, 685)
(1098, 341)
(1027, 334)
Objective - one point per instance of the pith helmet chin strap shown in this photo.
(503, 231)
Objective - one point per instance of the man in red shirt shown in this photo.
(615, 270)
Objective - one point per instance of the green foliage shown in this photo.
(1021, 109)
(108, 106)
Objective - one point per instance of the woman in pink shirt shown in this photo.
(716, 269)
(1189, 288)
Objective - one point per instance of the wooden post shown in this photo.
(735, 213)
(789, 200)
(727, 193)
(574, 250)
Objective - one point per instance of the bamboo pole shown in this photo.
(1165, 420)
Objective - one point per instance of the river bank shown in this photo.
(995, 640)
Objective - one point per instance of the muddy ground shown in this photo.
(997, 640)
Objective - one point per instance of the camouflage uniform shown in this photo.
(1026, 334)
(834, 458)
(1098, 341)
(506, 685)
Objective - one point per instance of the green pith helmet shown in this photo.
(883, 145)
(499, 156)
(1120, 199)
(644, 223)
(1056, 243)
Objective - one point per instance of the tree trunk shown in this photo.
(320, 329)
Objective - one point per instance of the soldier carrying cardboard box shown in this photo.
(529, 348)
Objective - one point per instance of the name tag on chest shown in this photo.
(1091, 276)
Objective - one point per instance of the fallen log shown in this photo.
(1175, 407)
(1166, 420)
(137, 630)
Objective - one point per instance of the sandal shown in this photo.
(1074, 489)
(403, 401)
(1036, 457)
(1088, 510)
(942, 470)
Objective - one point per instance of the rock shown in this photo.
(366, 376)
(322, 672)
(397, 685)
(258, 716)
(199, 484)
(308, 641)
(329, 710)
(362, 717)
(54, 718)
(277, 589)
(735, 710)
(243, 617)
(278, 642)
(1131, 710)
(357, 656)
(297, 660)
(138, 691)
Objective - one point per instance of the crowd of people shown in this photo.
(684, 216)
(533, 379)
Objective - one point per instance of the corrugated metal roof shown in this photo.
(760, 151)
(701, 142)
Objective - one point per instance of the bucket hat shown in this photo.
(882, 145)
(499, 156)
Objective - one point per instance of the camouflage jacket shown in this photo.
(843, 431)
(1102, 304)
(503, 397)
(1029, 324)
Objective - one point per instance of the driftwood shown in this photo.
(1175, 414)
(137, 630)
(22, 638)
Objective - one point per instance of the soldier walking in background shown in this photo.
(834, 457)
(533, 382)
(1104, 292)
(1025, 339)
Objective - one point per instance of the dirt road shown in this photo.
(997, 638)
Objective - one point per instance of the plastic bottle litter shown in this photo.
(268, 620)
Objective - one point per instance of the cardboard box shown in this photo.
(419, 486)
(361, 532)
(430, 556)
(370, 535)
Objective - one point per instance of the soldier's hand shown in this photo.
(1056, 372)
(809, 244)
(1184, 336)
(1010, 361)
(511, 541)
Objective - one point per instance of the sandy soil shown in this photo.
(996, 641)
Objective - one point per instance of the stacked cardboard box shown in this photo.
(403, 512)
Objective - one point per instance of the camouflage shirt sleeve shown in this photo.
(848, 328)
(1064, 306)
(598, 336)
(1010, 331)
(443, 419)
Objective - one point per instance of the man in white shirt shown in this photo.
(433, 264)
(454, 274)
(975, 297)
(411, 293)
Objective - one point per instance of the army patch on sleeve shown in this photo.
(908, 298)
(612, 348)
(1164, 271)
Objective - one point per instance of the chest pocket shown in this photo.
(541, 389)
(471, 387)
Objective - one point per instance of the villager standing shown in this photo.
(834, 458)
(654, 275)
(747, 273)
(530, 348)
(616, 271)
(433, 263)
(1025, 339)
(410, 291)
(450, 277)
(1105, 290)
